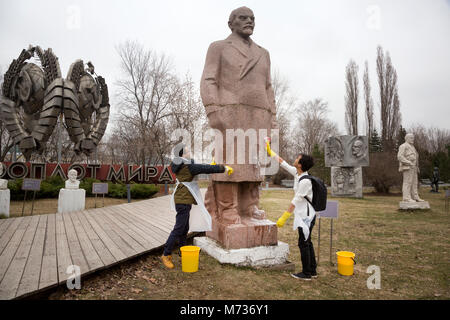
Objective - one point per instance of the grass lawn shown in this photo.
(412, 250)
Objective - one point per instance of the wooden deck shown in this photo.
(35, 251)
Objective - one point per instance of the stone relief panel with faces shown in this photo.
(346, 181)
(347, 151)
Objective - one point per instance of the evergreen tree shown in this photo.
(375, 144)
(319, 170)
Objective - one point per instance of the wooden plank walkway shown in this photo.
(36, 251)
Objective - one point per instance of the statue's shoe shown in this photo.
(419, 200)
(409, 200)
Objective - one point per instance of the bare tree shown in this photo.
(50, 153)
(285, 106)
(146, 93)
(351, 98)
(312, 126)
(430, 139)
(368, 101)
(389, 99)
(6, 143)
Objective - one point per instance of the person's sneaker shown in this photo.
(314, 275)
(167, 261)
(301, 276)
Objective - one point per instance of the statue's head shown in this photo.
(357, 148)
(409, 138)
(242, 22)
(72, 174)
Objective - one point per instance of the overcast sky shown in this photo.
(310, 42)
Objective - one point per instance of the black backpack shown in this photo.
(319, 200)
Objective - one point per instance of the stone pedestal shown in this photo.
(4, 202)
(247, 234)
(71, 200)
(406, 205)
(261, 256)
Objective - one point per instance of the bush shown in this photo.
(382, 174)
(143, 191)
(50, 189)
(281, 175)
(86, 184)
(15, 187)
(117, 190)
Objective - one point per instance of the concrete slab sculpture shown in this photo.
(346, 155)
(34, 96)
(237, 94)
(347, 151)
(346, 182)
(408, 158)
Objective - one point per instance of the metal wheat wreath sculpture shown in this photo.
(34, 96)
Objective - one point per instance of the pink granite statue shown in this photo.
(237, 94)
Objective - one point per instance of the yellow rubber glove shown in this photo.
(213, 163)
(269, 151)
(228, 170)
(282, 220)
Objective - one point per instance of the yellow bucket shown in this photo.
(345, 260)
(189, 258)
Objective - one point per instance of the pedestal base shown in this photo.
(406, 205)
(71, 200)
(4, 202)
(247, 234)
(262, 256)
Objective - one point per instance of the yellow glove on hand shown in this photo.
(228, 170)
(269, 151)
(213, 163)
(282, 220)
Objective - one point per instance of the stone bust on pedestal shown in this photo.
(3, 182)
(4, 195)
(71, 197)
(72, 182)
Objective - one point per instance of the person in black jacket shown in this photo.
(185, 170)
(435, 180)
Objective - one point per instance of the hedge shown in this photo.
(50, 189)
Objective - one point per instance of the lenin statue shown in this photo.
(237, 93)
